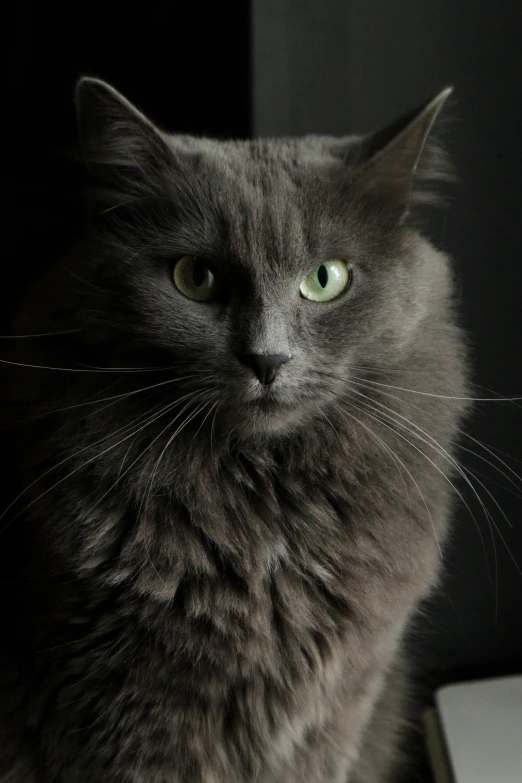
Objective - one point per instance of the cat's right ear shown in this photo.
(120, 146)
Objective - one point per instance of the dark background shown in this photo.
(282, 66)
(188, 69)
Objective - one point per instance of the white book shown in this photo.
(474, 734)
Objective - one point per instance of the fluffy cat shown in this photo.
(230, 502)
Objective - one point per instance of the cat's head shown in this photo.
(258, 270)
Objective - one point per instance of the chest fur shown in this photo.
(263, 571)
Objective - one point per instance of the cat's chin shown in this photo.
(263, 424)
(269, 417)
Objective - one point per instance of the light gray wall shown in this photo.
(342, 66)
(301, 80)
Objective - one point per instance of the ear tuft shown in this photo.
(120, 146)
(403, 161)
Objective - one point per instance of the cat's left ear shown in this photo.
(121, 147)
(400, 163)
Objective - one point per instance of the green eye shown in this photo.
(194, 278)
(327, 281)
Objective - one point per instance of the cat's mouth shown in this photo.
(269, 398)
(272, 408)
(267, 408)
(271, 414)
(268, 404)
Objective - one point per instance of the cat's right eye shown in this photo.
(195, 278)
(327, 281)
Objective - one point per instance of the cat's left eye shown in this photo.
(194, 277)
(327, 281)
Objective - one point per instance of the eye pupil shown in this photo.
(198, 273)
(327, 281)
(322, 276)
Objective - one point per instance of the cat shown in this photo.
(229, 501)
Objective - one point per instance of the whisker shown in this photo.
(489, 449)
(116, 397)
(464, 475)
(80, 467)
(141, 250)
(492, 524)
(140, 456)
(146, 497)
(82, 369)
(491, 521)
(120, 430)
(395, 370)
(212, 432)
(445, 453)
(124, 204)
(323, 414)
(42, 334)
(438, 396)
(377, 416)
(142, 453)
(71, 457)
(204, 420)
(124, 369)
(374, 415)
(168, 443)
(392, 453)
(129, 447)
(464, 434)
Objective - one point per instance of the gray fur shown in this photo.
(221, 595)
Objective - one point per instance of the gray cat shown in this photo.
(233, 429)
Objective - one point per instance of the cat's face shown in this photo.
(262, 272)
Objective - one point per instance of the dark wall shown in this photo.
(352, 65)
(184, 64)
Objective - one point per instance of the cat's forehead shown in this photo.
(294, 156)
(267, 196)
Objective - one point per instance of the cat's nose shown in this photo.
(265, 365)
